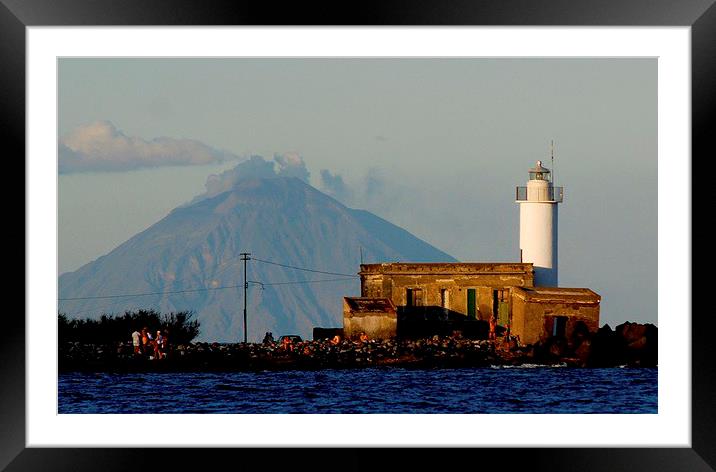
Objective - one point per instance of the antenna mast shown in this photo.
(552, 148)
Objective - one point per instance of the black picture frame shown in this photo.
(16, 15)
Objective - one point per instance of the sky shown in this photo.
(434, 145)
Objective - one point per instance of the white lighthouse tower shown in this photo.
(538, 224)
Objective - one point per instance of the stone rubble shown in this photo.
(630, 344)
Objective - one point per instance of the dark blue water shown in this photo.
(378, 390)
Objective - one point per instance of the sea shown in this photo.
(523, 389)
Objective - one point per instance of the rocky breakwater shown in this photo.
(630, 344)
(432, 352)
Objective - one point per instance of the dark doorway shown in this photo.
(559, 326)
(501, 306)
(414, 297)
(471, 303)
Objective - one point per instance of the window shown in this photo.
(414, 297)
(502, 295)
(444, 298)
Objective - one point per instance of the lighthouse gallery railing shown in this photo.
(551, 194)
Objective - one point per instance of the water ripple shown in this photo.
(378, 390)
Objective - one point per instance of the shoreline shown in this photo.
(604, 349)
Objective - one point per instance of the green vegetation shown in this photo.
(109, 329)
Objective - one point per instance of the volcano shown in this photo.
(190, 260)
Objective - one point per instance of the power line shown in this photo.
(159, 293)
(345, 277)
(262, 284)
(129, 295)
(308, 281)
(220, 288)
(303, 268)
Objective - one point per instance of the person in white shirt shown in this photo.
(135, 342)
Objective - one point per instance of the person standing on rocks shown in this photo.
(165, 343)
(151, 346)
(145, 340)
(158, 345)
(135, 342)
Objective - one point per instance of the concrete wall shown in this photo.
(533, 321)
(393, 280)
(376, 325)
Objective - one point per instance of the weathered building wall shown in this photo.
(439, 296)
(535, 312)
(377, 318)
(383, 326)
(445, 285)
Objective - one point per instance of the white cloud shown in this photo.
(102, 147)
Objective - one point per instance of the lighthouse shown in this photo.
(538, 224)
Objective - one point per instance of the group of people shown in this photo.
(336, 340)
(492, 336)
(287, 342)
(155, 346)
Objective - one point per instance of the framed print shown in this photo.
(390, 130)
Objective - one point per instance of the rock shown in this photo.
(584, 351)
(631, 332)
(557, 348)
(637, 345)
(605, 330)
(579, 334)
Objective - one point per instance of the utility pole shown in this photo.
(245, 257)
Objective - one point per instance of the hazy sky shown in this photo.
(433, 145)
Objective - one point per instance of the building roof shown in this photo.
(370, 305)
(557, 294)
(447, 268)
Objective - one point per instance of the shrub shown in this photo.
(110, 329)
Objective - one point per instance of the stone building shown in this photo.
(540, 312)
(441, 298)
(473, 290)
(376, 317)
